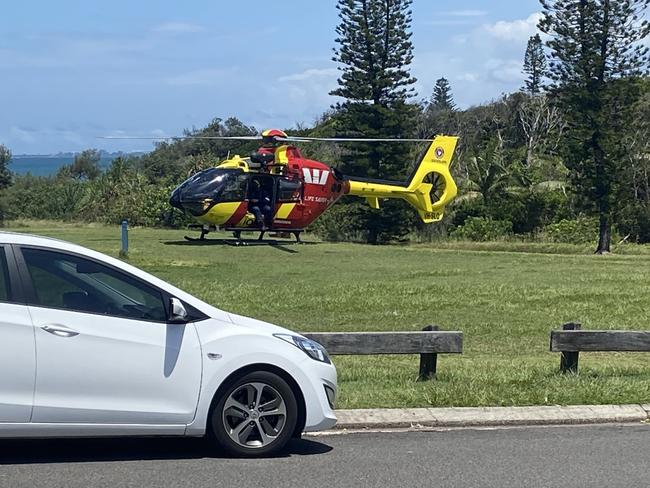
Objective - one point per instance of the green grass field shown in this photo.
(505, 303)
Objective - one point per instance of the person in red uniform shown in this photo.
(265, 155)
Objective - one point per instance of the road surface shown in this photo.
(581, 456)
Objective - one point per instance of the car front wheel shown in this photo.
(255, 416)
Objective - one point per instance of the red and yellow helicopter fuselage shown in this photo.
(298, 190)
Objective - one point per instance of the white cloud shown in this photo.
(467, 13)
(507, 71)
(310, 74)
(22, 135)
(440, 22)
(209, 76)
(471, 77)
(515, 30)
(178, 28)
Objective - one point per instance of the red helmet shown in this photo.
(269, 136)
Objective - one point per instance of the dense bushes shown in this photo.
(119, 193)
(581, 230)
(482, 229)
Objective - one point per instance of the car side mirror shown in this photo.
(177, 312)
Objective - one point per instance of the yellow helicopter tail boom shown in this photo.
(429, 190)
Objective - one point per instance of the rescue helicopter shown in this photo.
(276, 190)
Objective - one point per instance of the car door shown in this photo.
(105, 352)
(17, 354)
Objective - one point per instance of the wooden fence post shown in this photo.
(428, 361)
(569, 359)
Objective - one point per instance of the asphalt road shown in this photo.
(586, 456)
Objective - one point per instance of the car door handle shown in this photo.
(60, 330)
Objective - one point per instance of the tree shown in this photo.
(6, 178)
(534, 65)
(442, 98)
(5, 174)
(84, 167)
(542, 124)
(596, 62)
(374, 52)
(172, 162)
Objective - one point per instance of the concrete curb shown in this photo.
(490, 416)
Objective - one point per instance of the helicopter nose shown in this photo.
(175, 199)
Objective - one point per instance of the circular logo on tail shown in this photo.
(440, 152)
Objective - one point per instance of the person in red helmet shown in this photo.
(265, 155)
(269, 137)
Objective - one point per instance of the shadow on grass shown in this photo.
(280, 245)
(53, 451)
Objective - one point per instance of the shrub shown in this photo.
(583, 230)
(633, 220)
(482, 229)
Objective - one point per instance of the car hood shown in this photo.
(259, 325)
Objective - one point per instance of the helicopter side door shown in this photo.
(289, 196)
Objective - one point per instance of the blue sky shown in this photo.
(74, 70)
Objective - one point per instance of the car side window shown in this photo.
(5, 291)
(73, 283)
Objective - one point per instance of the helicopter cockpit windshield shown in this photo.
(206, 188)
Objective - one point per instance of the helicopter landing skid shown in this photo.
(282, 233)
(204, 232)
(239, 241)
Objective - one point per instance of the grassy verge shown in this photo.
(505, 302)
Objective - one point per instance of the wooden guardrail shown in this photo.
(428, 344)
(572, 340)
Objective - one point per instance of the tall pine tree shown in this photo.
(442, 98)
(374, 52)
(596, 59)
(534, 65)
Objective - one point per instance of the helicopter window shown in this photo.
(234, 189)
(289, 190)
(214, 184)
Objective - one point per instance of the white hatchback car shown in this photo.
(91, 346)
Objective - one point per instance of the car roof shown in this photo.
(7, 237)
(20, 238)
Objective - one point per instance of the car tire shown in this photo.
(255, 416)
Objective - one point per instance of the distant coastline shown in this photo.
(49, 164)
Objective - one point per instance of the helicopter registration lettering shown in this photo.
(433, 215)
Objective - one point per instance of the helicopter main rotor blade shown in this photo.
(259, 138)
(178, 138)
(348, 139)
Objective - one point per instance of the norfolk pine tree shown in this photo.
(374, 51)
(442, 98)
(596, 61)
(534, 65)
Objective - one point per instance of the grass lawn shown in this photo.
(505, 303)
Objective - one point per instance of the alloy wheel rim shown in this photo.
(254, 415)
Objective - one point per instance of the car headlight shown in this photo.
(312, 348)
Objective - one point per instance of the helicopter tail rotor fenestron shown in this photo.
(429, 190)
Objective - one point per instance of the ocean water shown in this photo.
(45, 165)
